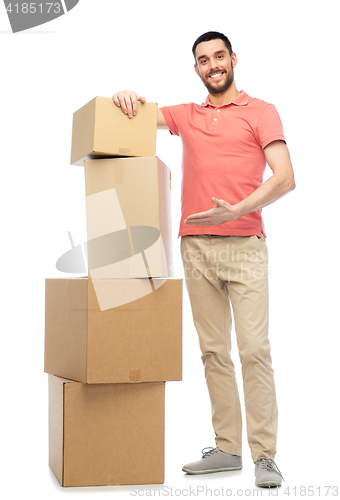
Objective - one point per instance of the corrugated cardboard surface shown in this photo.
(112, 434)
(128, 216)
(66, 319)
(100, 128)
(83, 127)
(56, 426)
(137, 341)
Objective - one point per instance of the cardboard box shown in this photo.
(109, 434)
(128, 212)
(100, 129)
(137, 339)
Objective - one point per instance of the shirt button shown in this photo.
(215, 119)
(218, 111)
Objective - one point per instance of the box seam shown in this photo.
(86, 375)
(94, 126)
(63, 451)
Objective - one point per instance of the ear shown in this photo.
(197, 70)
(233, 60)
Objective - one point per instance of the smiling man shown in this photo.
(216, 79)
(227, 142)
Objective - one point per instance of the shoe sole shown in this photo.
(268, 484)
(209, 471)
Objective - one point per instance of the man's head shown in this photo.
(214, 61)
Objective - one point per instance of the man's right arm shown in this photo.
(127, 101)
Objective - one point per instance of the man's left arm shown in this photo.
(281, 182)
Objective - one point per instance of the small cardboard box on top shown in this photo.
(135, 337)
(128, 218)
(108, 434)
(101, 129)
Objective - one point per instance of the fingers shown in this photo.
(199, 217)
(127, 101)
(216, 201)
(220, 203)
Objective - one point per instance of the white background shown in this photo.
(287, 54)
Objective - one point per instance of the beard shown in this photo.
(219, 87)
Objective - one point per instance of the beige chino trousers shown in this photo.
(221, 273)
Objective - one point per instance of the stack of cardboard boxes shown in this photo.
(113, 338)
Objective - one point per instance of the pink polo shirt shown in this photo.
(223, 157)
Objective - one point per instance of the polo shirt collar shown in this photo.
(241, 100)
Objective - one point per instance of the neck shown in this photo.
(225, 97)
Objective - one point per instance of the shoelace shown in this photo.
(210, 451)
(270, 465)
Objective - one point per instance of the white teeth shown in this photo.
(216, 75)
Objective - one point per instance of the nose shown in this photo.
(213, 68)
(214, 65)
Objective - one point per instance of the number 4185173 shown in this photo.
(34, 7)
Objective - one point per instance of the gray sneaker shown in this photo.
(214, 460)
(267, 473)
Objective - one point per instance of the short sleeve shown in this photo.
(169, 113)
(269, 127)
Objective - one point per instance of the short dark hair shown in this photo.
(212, 35)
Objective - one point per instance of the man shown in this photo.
(227, 142)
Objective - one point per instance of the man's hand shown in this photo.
(222, 212)
(127, 101)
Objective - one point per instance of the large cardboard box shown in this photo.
(128, 212)
(109, 434)
(128, 217)
(100, 129)
(135, 337)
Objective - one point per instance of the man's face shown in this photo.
(215, 66)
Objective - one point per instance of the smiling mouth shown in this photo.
(217, 75)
